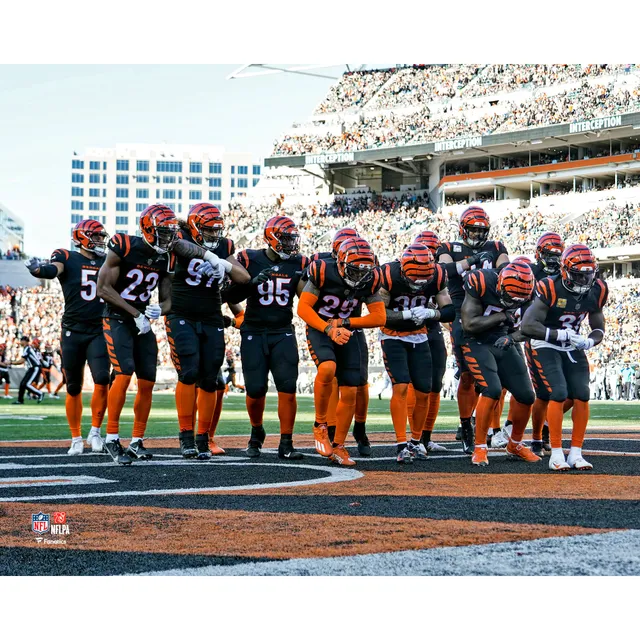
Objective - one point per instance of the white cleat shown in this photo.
(77, 447)
(54, 397)
(96, 443)
(579, 463)
(558, 463)
(499, 440)
(418, 452)
(433, 446)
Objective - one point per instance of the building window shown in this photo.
(215, 195)
(142, 165)
(215, 182)
(157, 194)
(256, 169)
(77, 164)
(78, 192)
(168, 167)
(179, 208)
(97, 218)
(122, 220)
(122, 206)
(233, 182)
(122, 193)
(242, 183)
(122, 231)
(142, 178)
(94, 206)
(215, 167)
(141, 206)
(94, 178)
(120, 179)
(179, 194)
(122, 165)
(195, 195)
(104, 193)
(77, 205)
(255, 181)
(77, 177)
(104, 178)
(94, 193)
(75, 218)
(233, 170)
(94, 165)
(169, 179)
(169, 194)
(171, 205)
(195, 167)
(243, 170)
(195, 180)
(104, 208)
(142, 193)
(233, 195)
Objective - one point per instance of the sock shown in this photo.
(398, 406)
(432, 411)
(362, 403)
(287, 409)
(76, 439)
(538, 416)
(359, 429)
(557, 451)
(580, 418)
(206, 409)
(94, 431)
(99, 404)
(255, 409)
(135, 439)
(484, 414)
(425, 438)
(401, 445)
(467, 396)
(333, 404)
(142, 407)
(6, 388)
(322, 389)
(411, 405)
(495, 423)
(520, 413)
(194, 416)
(419, 415)
(112, 436)
(345, 412)
(185, 399)
(115, 402)
(257, 433)
(555, 414)
(568, 403)
(73, 407)
(217, 412)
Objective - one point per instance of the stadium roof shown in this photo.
(254, 70)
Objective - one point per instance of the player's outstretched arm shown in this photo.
(308, 298)
(107, 278)
(473, 320)
(47, 271)
(377, 314)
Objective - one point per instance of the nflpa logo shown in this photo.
(60, 517)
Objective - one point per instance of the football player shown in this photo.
(195, 325)
(490, 352)
(134, 268)
(47, 363)
(82, 340)
(407, 287)
(268, 339)
(4, 371)
(553, 322)
(331, 305)
(475, 251)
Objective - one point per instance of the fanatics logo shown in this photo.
(562, 302)
(40, 522)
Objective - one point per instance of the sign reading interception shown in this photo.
(459, 143)
(596, 123)
(330, 158)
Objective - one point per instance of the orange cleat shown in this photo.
(215, 449)
(341, 456)
(321, 437)
(522, 452)
(479, 457)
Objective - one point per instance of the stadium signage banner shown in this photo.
(330, 158)
(596, 123)
(459, 143)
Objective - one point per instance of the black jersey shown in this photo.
(336, 298)
(458, 251)
(402, 297)
(47, 360)
(196, 297)
(482, 284)
(4, 361)
(270, 304)
(140, 271)
(321, 255)
(79, 280)
(538, 271)
(567, 310)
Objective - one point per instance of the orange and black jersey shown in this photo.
(270, 304)
(566, 309)
(402, 297)
(140, 271)
(458, 251)
(336, 299)
(193, 296)
(321, 255)
(482, 284)
(79, 280)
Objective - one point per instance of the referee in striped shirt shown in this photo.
(31, 360)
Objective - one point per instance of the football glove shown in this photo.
(339, 335)
(262, 277)
(511, 317)
(420, 314)
(205, 269)
(479, 259)
(503, 343)
(153, 311)
(33, 265)
(143, 324)
(581, 343)
(564, 335)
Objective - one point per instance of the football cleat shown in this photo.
(341, 456)
(187, 445)
(521, 452)
(479, 457)
(364, 447)
(202, 446)
(468, 439)
(40, 397)
(459, 433)
(499, 440)
(138, 451)
(434, 446)
(545, 437)
(8, 397)
(404, 456)
(54, 397)
(96, 443)
(579, 463)
(557, 462)
(117, 453)
(537, 448)
(286, 450)
(77, 447)
(215, 449)
(417, 451)
(321, 437)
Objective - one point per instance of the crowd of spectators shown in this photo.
(12, 254)
(353, 90)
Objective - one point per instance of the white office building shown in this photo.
(11, 230)
(114, 185)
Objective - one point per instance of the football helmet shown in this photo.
(35, 343)
(48, 348)
(159, 227)
(282, 237)
(417, 266)
(578, 268)
(430, 240)
(90, 235)
(340, 237)
(515, 285)
(355, 262)
(205, 225)
(549, 250)
(474, 226)
(523, 260)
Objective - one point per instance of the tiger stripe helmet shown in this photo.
(417, 266)
(430, 240)
(549, 250)
(515, 285)
(474, 226)
(282, 237)
(159, 227)
(340, 237)
(578, 268)
(524, 260)
(206, 225)
(356, 262)
(90, 235)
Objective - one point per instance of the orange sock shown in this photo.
(419, 414)
(500, 409)
(520, 414)
(411, 405)
(185, 401)
(142, 407)
(55, 393)
(362, 403)
(322, 389)
(345, 412)
(99, 404)
(49, 387)
(255, 409)
(6, 388)
(432, 410)
(287, 409)
(484, 414)
(538, 416)
(217, 412)
(195, 409)
(467, 396)
(206, 409)
(580, 417)
(333, 404)
(115, 401)
(568, 403)
(398, 406)
(73, 406)
(555, 414)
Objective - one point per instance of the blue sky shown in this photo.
(49, 111)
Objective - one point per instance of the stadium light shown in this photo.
(536, 142)
(407, 158)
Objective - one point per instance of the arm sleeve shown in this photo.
(307, 313)
(447, 313)
(376, 318)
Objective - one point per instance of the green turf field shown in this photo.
(47, 420)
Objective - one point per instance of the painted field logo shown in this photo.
(40, 522)
(59, 517)
(60, 526)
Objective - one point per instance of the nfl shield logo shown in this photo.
(40, 522)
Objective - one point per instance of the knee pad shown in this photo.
(525, 396)
(326, 371)
(74, 388)
(255, 391)
(209, 384)
(287, 386)
(188, 376)
(559, 394)
(101, 378)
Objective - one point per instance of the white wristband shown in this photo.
(406, 315)
(226, 264)
(459, 268)
(546, 335)
(211, 257)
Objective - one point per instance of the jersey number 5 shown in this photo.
(274, 290)
(89, 285)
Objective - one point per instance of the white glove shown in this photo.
(153, 311)
(564, 335)
(212, 258)
(33, 264)
(420, 314)
(581, 343)
(143, 324)
(205, 269)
